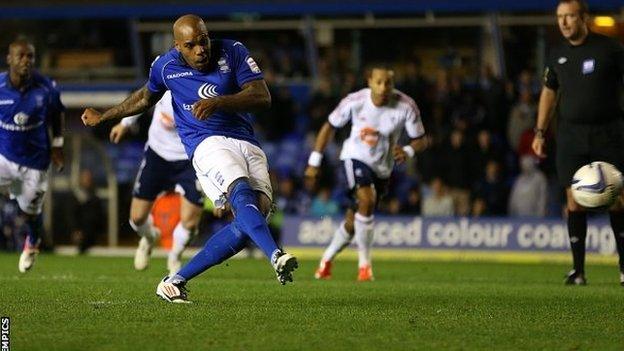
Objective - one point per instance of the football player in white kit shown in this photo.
(165, 165)
(378, 116)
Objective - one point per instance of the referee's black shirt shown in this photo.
(588, 78)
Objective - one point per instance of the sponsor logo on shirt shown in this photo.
(588, 66)
(179, 75)
(14, 128)
(223, 66)
(253, 66)
(207, 91)
(369, 136)
(7, 102)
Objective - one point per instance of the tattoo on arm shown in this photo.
(137, 102)
(253, 97)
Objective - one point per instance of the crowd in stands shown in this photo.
(480, 162)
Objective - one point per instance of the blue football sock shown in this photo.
(249, 219)
(222, 245)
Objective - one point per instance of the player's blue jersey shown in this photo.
(24, 120)
(230, 67)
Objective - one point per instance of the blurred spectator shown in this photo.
(528, 82)
(88, 213)
(521, 118)
(438, 202)
(491, 192)
(393, 206)
(10, 224)
(288, 199)
(412, 203)
(323, 205)
(278, 121)
(321, 104)
(458, 172)
(483, 153)
(529, 193)
(416, 86)
(494, 99)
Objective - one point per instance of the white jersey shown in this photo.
(162, 136)
(375, 130)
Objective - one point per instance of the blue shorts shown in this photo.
(157, 175)
(359, 174)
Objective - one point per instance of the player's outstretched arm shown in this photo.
(547, 101)
(137, 102)
(324, 136)
(253, 97)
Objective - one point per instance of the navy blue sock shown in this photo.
(250, 220)
(577, 229)
(34, 228)
(222, 245)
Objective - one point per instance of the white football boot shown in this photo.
(144, 250)
(28, 256)
(175, 292)
(284, 264)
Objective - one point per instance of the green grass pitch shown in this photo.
(91, 303)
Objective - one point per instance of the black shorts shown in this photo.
(157, 175)
(578, 145)
(360, 174)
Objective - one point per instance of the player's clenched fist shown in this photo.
(399, 154)
(91, 117)
(204, 108)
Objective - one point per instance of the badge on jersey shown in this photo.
(253, 66)
(588, 66)
(223, 66)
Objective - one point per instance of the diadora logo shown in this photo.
(179, 75)
(7, 102)
(207, 91)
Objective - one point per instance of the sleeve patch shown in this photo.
(253, 66)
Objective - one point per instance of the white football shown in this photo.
(596, 185)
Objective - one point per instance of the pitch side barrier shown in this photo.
(479, 234)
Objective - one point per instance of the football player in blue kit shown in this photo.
(215, 84)
(29, 105)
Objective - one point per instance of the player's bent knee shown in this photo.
(138, 219)
(265, 204)
(241, 194)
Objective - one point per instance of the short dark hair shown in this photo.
(368, 71)
(583, 8)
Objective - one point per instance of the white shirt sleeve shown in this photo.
(342, 113)
(413, 122)
(128, 121)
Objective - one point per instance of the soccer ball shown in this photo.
(596, 185)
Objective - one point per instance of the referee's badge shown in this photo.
(588, 66)
(562, 60)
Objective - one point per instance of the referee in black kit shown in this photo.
(583, 79)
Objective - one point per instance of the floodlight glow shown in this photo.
(604, 21)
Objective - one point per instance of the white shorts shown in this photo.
(219, 161)
(26, 185)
